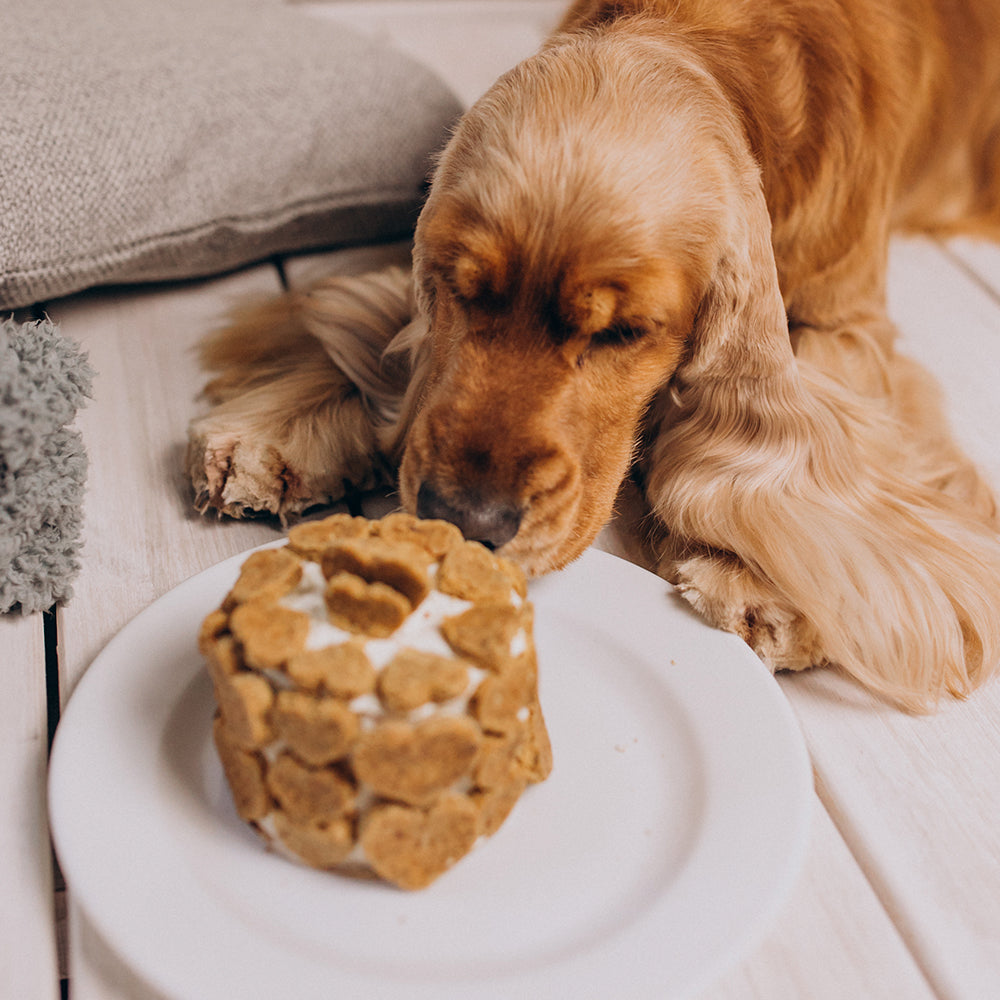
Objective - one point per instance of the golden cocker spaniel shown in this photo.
(660, 245)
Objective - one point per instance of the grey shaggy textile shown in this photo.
(44, 379)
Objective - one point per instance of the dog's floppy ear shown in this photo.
(788, 516)
(741, 330)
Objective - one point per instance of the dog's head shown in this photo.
(561, 257)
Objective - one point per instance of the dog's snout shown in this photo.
(494, 523)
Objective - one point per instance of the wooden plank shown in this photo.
(468, 42)
(951, 325)
(28, 954)
(980, 258)
(917, 799)
(141, 534)
(831, 940)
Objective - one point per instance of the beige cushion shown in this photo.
(143, 140)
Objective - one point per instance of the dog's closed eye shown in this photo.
(618, 334)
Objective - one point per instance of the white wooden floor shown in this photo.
(900, 896)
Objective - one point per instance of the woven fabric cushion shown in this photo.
(143, 140)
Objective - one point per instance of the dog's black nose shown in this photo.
(488, 521)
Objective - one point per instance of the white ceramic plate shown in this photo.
(673, 824)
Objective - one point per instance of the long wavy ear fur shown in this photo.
(764, 458)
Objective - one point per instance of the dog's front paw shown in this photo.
(259, 473)
(283, 448)
(725, 592)
(238, 478)
(235, 479)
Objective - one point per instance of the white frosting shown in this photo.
(421, 630)
(519, 644)
(308, 598)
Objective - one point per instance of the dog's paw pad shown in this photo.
(241, 471)
(731, 598)
(238, 479)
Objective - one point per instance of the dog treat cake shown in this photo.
(376, 689)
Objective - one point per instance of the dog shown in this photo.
(656, 251)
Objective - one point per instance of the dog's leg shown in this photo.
(297, 440)
(302, 397)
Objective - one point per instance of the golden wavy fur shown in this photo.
(661, 244)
